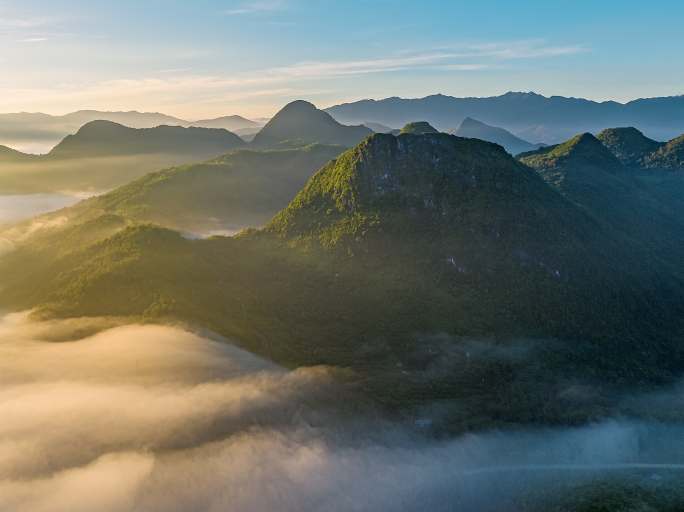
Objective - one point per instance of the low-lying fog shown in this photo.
(108, 417)
(14, 208)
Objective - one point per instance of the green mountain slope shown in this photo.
(418, 128)
(386, 262)
(240, 189)
(300, 123)
(589, 175)
(669, 156)
(474, 129)
(629, 145)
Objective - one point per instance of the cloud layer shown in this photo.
(100, 416)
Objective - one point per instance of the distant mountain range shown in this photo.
(527, 115)
(474, 129)
(230, 123)
(104, 154)
(105, 138)
(38, 133)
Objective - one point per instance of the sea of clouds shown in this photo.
(108, 417)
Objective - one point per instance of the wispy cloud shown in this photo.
(179, 91)
(321, 69)
(510, 50)
(472, 57)
(256, 7)
(32, 40)
(28, 29)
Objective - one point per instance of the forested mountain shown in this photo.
(587, 173)
(464, 239)
(243, 188)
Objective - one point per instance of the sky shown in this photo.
(206, 58)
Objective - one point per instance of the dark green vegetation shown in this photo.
(610, 495)
(301, 123)
(589, 175)
(417, 128)
(655, 165)
(638, 152)
(103, 154)
(438, 269)
(240, 189)
(528, 115)
(629, 145)
(474, 129)
(669, 156)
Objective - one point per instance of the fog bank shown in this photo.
(108, 417)
(14, 208)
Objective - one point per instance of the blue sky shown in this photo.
(205, 58)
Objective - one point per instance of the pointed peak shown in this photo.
(584, 147)
(471, 121)
(584, 139)
(301, 123)
(418, 128)
(628, 144)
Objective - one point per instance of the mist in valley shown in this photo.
(101, 415)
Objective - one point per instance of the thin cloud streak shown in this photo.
(257, 7)
(186, 94)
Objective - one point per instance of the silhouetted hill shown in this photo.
(527, 115)
(300, 122)
(378, 128)
(11, 155)
(230, 123)
(38, 133)
(103, 155)
(104, 138)
(474, 129)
